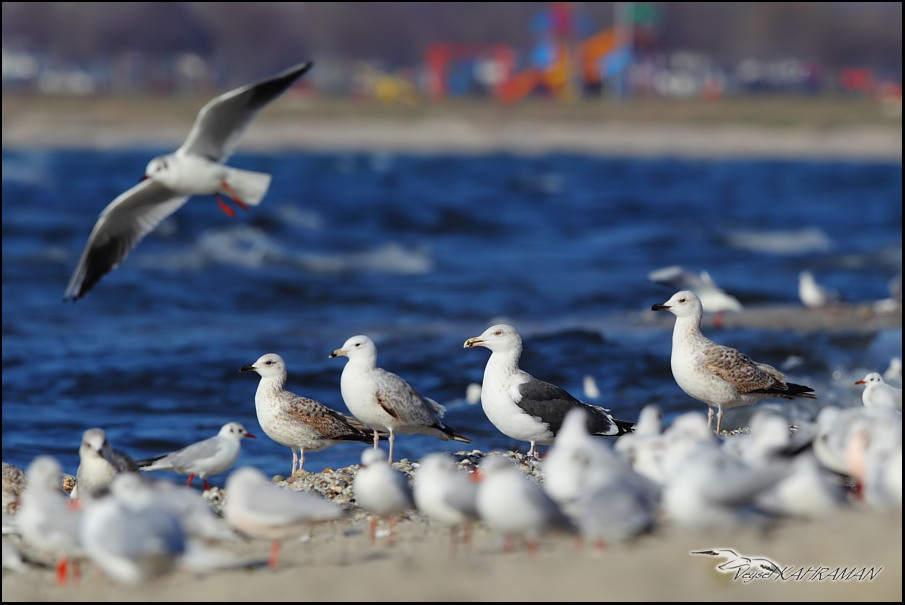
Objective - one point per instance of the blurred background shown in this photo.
(422, 52)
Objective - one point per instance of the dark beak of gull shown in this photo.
(659, 307)
(248, 368)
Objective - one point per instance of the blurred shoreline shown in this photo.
(797, 128)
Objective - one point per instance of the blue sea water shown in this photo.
(419, 252)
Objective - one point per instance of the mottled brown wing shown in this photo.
(737, 368)
(327, 421)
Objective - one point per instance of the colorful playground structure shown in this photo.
(562, 64)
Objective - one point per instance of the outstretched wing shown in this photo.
(122, 224)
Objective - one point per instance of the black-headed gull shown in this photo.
(205, 458)
(381, 490)
(524, 408)
(446, 495)
(130, 534)
(383, 400)
(99, 463)
(814, 295)
(47, 521)
(300, 423)
(259, 509)
(196, 168)
(720, 376)
(878, 393)
(514, 506)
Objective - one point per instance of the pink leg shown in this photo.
(392, 440)
(373, 530)
(392, 531)
(226, 209)
(233, 195)
(62, 571)
(274, 553)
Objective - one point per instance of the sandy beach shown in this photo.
(336, 562)
(776, 128)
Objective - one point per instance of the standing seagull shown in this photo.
(814, 295)
(298, 422)
(719, 376)
(206, 458)
(877, 392)
(527, 409)
(99, 463)
(382, 490)
(196, 168)
(383, 400)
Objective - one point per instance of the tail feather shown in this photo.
(248, 185)
(148, 462)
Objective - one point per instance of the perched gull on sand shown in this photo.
(878, 393)
(259, 509)
(99, 463)
(196, 168)
(206, 458)
(381, 490)
(524, 408)
(299, 423)
(514, 506)
(47, 521)
(717, 375)
(814, 295)
(130, 535)
(383, 400)
(446, 495)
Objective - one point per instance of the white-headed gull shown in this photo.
(47, 520)
(878, 393)
(524, 408)
(196, 168)
(300, 423)
(205, 458)
(259, 509)
(514, 506)
(446, 495)
(99, 463)
(383, 400)
(814, 295)
(381, 490)
(720, 376)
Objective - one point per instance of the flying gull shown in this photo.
(196, 168)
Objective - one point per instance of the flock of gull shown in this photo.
(603, 479)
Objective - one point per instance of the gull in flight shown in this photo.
(196, 168)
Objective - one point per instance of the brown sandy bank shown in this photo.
(336, 562)
(791, 128)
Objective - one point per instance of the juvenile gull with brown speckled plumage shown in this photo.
(300, 423)
(720, 376)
